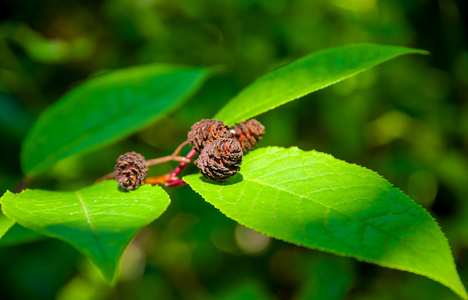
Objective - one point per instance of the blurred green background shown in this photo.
(406, 119)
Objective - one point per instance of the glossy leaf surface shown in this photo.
(104, 109)
(304, 76)
(99, 220)
(314, 200)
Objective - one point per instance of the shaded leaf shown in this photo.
(5, 224)
(17, 234)
(99, 220)
(326, 278)
(247, 288)
(304, 76)
(314, 200)
(104, 109)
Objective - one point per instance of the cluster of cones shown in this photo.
(221, 149)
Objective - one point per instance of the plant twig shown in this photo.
(160, 160)
(106, 177)
(157, 180)
(22, 185)
(173, 175)
(179, 148)
(171, 179)
(175, 183)
(152, 162)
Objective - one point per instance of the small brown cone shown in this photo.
(248, 134)
(220, 159)
(205, 132)
(130, 170)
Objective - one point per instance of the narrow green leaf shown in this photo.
(304, 76)
(99, 220)
(314, 200)
(104, 109)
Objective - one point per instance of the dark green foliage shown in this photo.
(406, 120)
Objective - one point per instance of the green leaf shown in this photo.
(326, 278)
(5, 224)
(17, 234)
(99, 220)
(247, 288)
(304, 76)
(314, 200)
(104, 109)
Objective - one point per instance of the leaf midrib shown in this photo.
(98, 242)
(259, 104)
(375, 61)
(351, 217)
(321, 204)
(396, 266)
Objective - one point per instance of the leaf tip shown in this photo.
(421, 51)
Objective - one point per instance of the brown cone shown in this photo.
(130, 170)
(248, 134)
(220, 159)
(205, 132)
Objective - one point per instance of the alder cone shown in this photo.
(220, 159)
(248, 134)
(130, 170)
(205, 132)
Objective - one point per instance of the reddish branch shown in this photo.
(171, 179)
(22, 185)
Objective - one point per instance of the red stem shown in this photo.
(171, 179)
(179, 182)
(173, 175)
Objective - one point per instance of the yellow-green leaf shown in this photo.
(99, 220)
(314, 200)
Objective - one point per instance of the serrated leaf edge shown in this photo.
(462, 293)
(254, 105)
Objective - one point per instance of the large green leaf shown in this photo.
(105, 109)
(304, 76)
(99, 220)
(314, 200)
